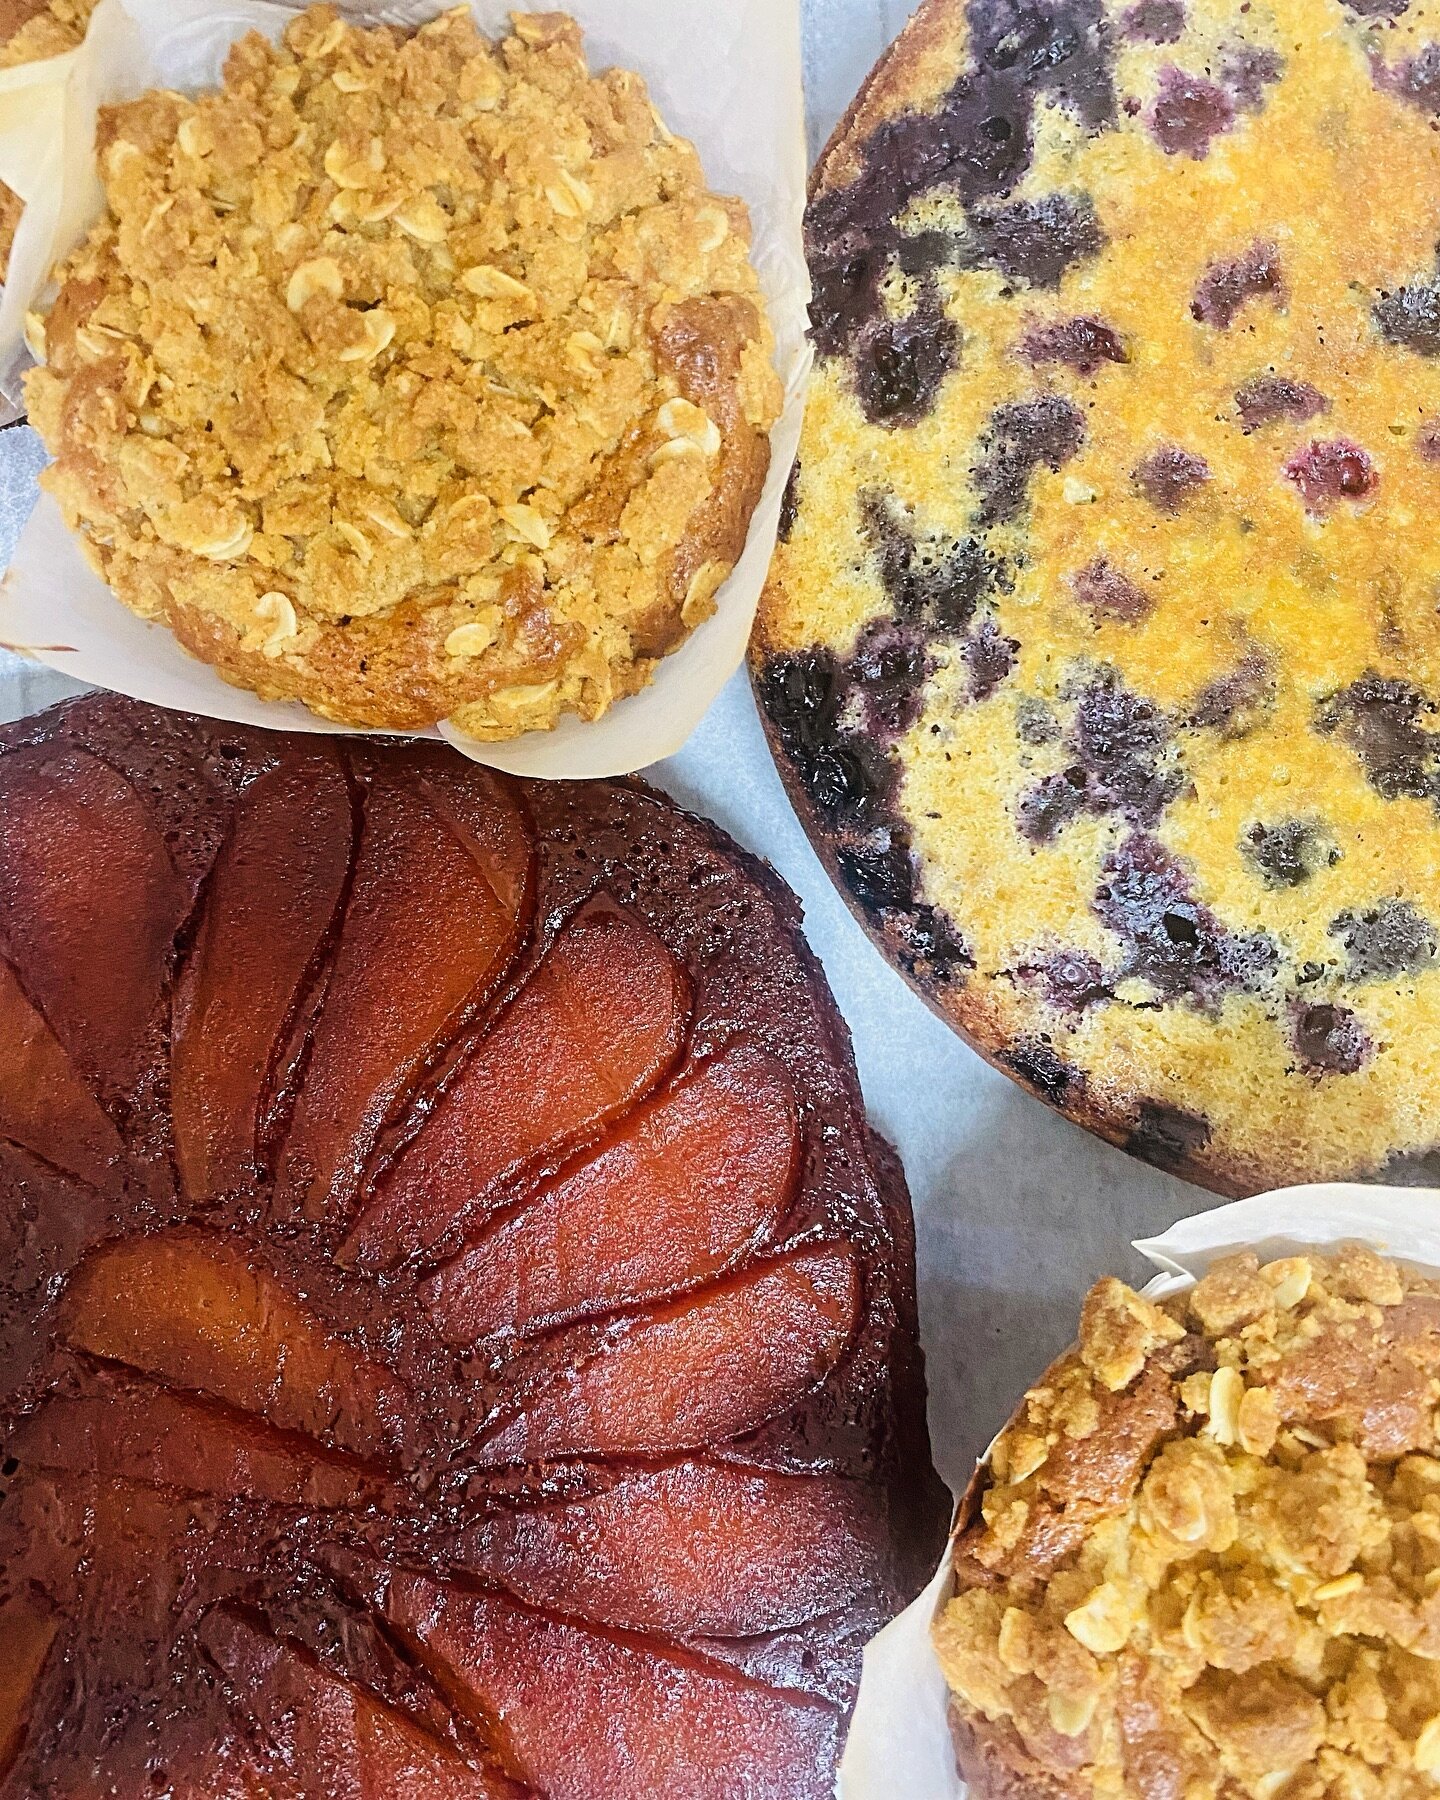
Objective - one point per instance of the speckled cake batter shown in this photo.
(1102, 648)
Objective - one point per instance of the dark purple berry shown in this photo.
(1036, 1064)
(1329, 1040)
(1021, 437)
(1234, 704)
(849, 781)
(889, 670)
(1384, 721)
(1037, 241)
(1246, 71)
(1377, 9)
(1188, 112)
(1328, 472)
(1168, 1136)
(1391, 939)
(1416, 80)
(1035, 721)
(1270, 398)
(934, 583)
(1287, 853)
(990, 657)
(1172, 941)
(1051, 804)
(1169, 476)
(1155, 21)
(790, 504)
(930, 947)
(1106, 593)
(1071, 980)
(882, 878)
(1084, 344)
(1122, 741)
(901, 364)
(1229, 286)
(1410, 317)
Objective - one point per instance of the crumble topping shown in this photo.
(1205, 1558)
(411, 376)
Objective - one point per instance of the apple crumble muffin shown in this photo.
(1204, 1559)
(31, 31)
(412, 376)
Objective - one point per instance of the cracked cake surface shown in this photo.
(411, 376)
(1101, 650)
(457, 1332)
(1204, 1557)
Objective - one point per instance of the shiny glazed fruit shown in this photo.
(456, 1329)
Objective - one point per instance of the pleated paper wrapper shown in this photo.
(899, 1742)
(724, 73)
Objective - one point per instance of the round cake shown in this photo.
(1204, 1558)
(33, 31)
(457, 1331)
(1102, 654)
(411, 376)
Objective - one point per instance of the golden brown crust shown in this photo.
(1205, 1554)
(462, 473)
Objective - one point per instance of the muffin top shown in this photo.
(411, 376)
(1204, 1559)
(1103, 653)
(31, 31)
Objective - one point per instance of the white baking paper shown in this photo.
(725, 73)
(899, 1740)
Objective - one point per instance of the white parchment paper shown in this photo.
(725, 73)
(899, 1740)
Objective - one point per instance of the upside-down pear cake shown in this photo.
(457, 1332)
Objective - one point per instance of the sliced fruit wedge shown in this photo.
(343, 1743)
(595, 1028)
(164, 1440)
(696, 1372)
(27, 1630)
(693, 1548)
(272, 901)
(44, 1105)
(587, 1714)
(693, 1183)
(89, 905)
(193, 1311)
(425, 937)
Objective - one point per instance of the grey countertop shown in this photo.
(1017, 1211)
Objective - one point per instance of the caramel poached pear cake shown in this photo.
(1102, 652)
(457, 1332)
(411, 376)
(1204, 1559)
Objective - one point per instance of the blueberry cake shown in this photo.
(1204, 1558)
(457, 1331)
(1101, 651)
(411, 375)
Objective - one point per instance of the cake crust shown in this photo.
(951, 652)
(299, 1326)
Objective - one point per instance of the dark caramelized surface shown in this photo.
(457, 1333)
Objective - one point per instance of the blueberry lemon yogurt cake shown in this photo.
(1204, 1559)
(1102, 651)
(411, 376)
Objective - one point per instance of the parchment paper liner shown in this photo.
(725, 73)
(899, 1741)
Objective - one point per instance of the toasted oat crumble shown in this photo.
(31, 31)
(411, 376)
(1204, 1562)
